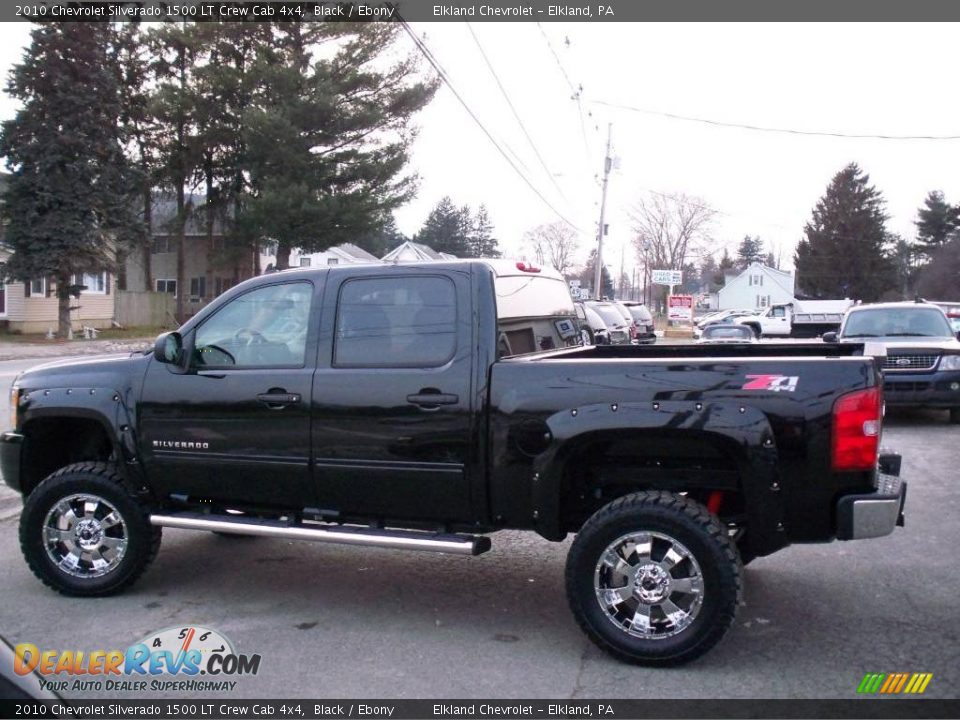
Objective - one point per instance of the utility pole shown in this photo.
(598, 270)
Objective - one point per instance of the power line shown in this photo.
(425, 51)
(575, 92)
(784, 131)
(516, 115)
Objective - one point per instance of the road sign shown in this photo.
(666, 277)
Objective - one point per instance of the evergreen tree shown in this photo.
(447, 229)
(68, 204)
(589, 273)
(842, 253)
(708, 273)
(749, 251)
(904, 256)
(482, 242)
(173, 107)
(726, 263)
(938, 279)
(328, 140)
(381, 240)
(937, 221)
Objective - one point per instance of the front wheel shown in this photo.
(654, 579)
(83, 531)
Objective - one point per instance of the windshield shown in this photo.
(611, 316)
(896, 322)
(532, 296)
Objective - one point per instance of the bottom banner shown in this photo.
(482, 709)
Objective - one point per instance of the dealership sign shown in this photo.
(666, 277)
(680, 308)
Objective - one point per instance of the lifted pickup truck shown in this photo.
(373, 406)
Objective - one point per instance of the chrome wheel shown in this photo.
(84, 536)
(649, 585)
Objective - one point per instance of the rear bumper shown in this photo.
(873, 514)
(11, 444)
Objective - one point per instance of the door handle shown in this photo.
(277, 400)
(432, 400)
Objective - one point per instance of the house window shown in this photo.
(198, 287)
(305, 262)
(333, 261)
(167, 286)
(763, 301)
(161, 244)
(37, 288)
(96, 283)
(221, 285)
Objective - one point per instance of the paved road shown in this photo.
(347, 622)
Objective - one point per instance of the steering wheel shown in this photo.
(249, 337)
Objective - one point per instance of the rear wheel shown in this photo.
(654, 579)
(84, 532)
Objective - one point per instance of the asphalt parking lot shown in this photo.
(346, 622)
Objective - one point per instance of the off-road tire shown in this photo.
(689, 523)
(104, 481)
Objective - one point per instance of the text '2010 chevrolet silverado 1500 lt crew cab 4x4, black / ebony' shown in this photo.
(380, 406)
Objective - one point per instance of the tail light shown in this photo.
(856, 430)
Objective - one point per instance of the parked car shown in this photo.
(720, 316)
(724, 333)
(592, 328)
(617, 328)
(922, 363)
(728, 317)
(645, 327)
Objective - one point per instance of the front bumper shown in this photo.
(938, 389)
(11, 443)
(873, 514)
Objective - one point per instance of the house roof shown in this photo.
(420, 251)
(356, 253)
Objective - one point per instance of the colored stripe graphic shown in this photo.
(894, 683)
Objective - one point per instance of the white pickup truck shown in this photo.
(806, 319)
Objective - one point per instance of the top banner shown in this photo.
(493, 11)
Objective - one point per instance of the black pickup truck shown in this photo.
(427, 406)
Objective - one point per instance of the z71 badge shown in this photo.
(775, 383)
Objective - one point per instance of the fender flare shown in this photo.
(734, 423)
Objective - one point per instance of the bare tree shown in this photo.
(674, 229)
(554, 244)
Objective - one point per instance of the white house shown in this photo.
(757, 287)
(346, 254)
(415, 252)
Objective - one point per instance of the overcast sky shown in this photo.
(888, 79)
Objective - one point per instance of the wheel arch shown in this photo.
(89, 426)
(707, 446)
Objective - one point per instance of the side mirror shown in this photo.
(168, 348)
(830, 337)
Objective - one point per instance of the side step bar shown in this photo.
(342, 534)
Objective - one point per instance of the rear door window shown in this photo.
(406, 321)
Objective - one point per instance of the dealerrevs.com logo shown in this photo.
(180, 659)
